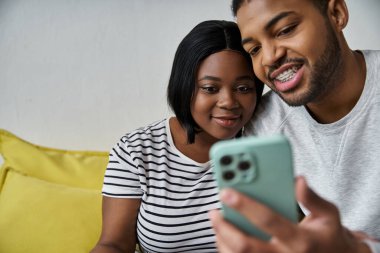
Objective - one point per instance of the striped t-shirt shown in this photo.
(176, 192)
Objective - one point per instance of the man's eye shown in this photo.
(286, 30)
(209, 89)
(254, 50)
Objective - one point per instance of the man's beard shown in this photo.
(325, 74)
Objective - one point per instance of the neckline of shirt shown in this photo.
(205, 165)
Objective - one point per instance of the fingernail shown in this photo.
(228, 197)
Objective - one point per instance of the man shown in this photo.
(326, 99)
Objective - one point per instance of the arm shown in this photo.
(319, 232)
(119, 226)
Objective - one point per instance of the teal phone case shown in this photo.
(260, 167)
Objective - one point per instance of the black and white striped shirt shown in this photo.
(176, 192)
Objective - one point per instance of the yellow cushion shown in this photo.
(83, 169)
(50, 199)
(40, 216)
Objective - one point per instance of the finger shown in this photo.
(260, 215)
(222, 246)
(230, 239)
(313, 202)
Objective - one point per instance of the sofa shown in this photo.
(50, 199)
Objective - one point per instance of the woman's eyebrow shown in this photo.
(247, 77)
(212, 78)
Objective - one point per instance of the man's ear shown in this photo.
(338, 13)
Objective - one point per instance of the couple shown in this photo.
(158, 187)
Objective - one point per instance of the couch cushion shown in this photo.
(84, 169)
(50, 199)
(41, 216)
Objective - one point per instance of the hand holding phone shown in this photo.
(260, 167)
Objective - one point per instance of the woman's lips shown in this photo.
(227, 121)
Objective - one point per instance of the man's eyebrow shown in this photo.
(246, 40)
(212, 78)
(277, 18)
(269, 25)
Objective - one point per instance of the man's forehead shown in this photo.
(271, 4)
(258, 10)
(258, 16)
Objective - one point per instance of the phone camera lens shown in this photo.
(228, 175)
(226, 160)
(244, 165)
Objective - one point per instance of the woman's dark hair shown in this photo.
(206, 38)
(320, 4)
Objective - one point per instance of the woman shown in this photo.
(158, 186)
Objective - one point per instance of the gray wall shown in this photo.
(78, 74)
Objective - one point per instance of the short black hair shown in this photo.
(206, 38)
(320, 4)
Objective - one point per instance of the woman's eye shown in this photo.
(244, 88)
(209, 89)
(286, 30)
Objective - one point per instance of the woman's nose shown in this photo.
(227, 101)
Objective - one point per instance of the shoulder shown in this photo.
(372, 61)
(151, 135)
(371, 53)
(372, 58)
(151, 131)
(270, 102)
(271, 114)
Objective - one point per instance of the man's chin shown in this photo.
(294, 100)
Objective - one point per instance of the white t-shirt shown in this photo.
(341, 161)
(176, 192)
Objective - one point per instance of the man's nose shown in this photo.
(272, 54)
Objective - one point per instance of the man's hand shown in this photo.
(320, 231)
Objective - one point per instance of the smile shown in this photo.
(287, 77)
(287, 74)
(227, 121)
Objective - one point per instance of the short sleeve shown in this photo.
(121, 179)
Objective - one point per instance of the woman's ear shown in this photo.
(338, 14)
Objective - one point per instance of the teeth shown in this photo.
(287, 74)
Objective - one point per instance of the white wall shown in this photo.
(362, 31)
(78, 74)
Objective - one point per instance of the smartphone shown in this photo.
(260, 167)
